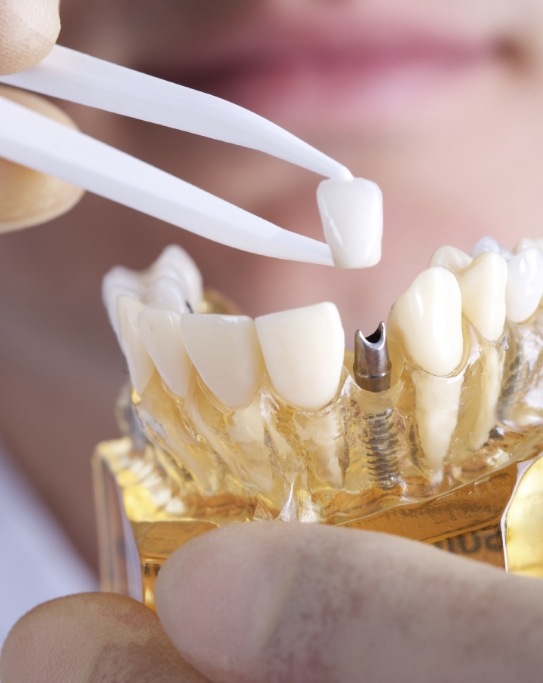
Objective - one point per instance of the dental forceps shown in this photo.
(35, 141)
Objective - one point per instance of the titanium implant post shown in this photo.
(372, 372)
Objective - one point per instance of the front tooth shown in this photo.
(174, 262)
(524, 285)
(166, 293)
(303, 351)
(118, 282)
(161, 334)
(483, 286)
(451, 258)
(225, 351)
(352, 217)
(490, 244)
(429, 318)
(140, 365)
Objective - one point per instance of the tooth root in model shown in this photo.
(140, 365)
(489, 393)
(428, 320)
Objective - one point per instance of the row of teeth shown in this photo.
(302, 350)
(300, 353)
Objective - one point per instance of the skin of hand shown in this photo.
(28, 31)
(276, 603)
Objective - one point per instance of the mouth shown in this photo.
(274, 409)
(357, 72)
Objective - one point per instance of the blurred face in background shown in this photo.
(439, 101)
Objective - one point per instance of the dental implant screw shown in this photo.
(372, 372)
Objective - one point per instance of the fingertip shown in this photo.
(27, 197)
(264, 601)
(210, 600)
(91, 637)
(28, 31)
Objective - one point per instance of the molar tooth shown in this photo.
(528, 243)
(225, 351)
(303, 351)
(140, 365)
(429, 318)
(451, 258)
(161, 334)
(483, 286)
(490, 244)
(352, 217)
(524, 285)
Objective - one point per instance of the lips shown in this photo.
(362, 70)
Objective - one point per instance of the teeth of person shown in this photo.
(483, 285)
(140, 365)
(303, 351)
(429, 318)
(160, 332)
(490, 244)
(524, 285)
(451, 258)
(225, 351)
(352, 217)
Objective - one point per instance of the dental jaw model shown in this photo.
(424, 431)
(430, 430)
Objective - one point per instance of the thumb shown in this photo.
(263, 602)
(28, 31)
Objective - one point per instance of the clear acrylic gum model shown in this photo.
(431, 431)
(233, 420)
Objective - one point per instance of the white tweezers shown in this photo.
(35, 141)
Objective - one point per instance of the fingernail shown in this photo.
(220, 596)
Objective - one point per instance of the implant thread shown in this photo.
(381, 441)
